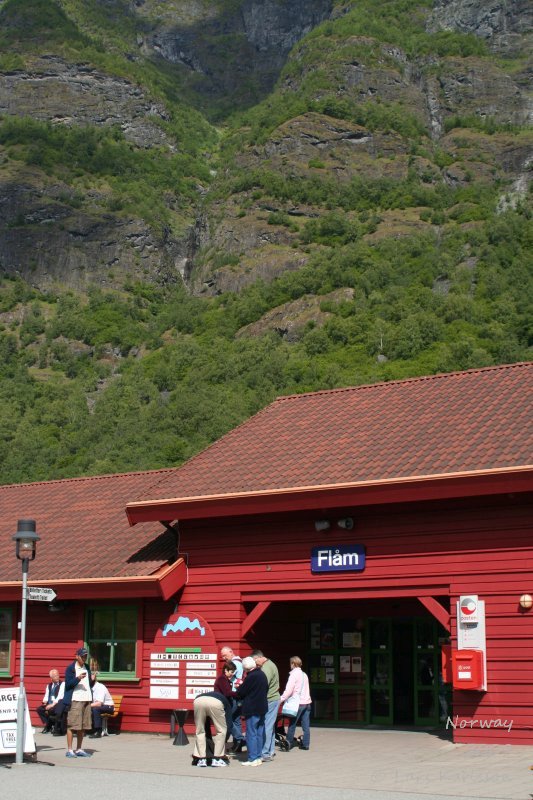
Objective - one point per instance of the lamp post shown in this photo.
(26, 543)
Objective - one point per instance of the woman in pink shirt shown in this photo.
(298, 684)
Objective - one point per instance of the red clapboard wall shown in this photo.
(443, 549)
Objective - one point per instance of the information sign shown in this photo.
(42, 594)
(183, 663)
(8, 722)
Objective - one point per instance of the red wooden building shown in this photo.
(342, 526)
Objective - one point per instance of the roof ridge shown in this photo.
(416, 379)
(79, 478)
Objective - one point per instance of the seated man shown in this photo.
(102, 704)
(60, 713)
(46, 710)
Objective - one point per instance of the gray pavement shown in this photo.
(342, 764)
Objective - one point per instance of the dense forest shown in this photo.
(300, 230)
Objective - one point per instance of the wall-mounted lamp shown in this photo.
(526, 601)
(58, 605)
(346, 523)
(322, 525)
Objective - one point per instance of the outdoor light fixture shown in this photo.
(346, 523)
(322, 525)
(26, 540)
(26, 546)
(526, 602)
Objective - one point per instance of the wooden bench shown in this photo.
(117, 700)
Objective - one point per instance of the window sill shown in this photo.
(117, 677)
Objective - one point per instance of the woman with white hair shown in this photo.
(253, 694)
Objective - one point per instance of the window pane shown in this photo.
(100, 623)
(351, 705)
(324, 704)
(426, 703)
(380, 702)
(5, 626)
(5, 638)
(379, 635)
(380, 668)
(124, 657)
(426, 675)
(126, 623)
(4, 656)
(425, 634)
(101, 653)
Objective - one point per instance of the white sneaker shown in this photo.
(256, 763)
(201, 762)
(218, 762)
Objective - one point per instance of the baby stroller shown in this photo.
(280, 734)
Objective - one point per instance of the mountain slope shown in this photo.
(360, 212)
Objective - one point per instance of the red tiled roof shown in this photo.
(458, 422)
(84, 530)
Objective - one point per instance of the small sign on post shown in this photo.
(42, 594)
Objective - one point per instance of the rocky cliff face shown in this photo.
(505, 26)
(231, 52)
(46, 241)
(462, 108)
(51, 89)
(228, 55)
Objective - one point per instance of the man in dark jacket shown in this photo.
(253, 694)
(47, 708)
(78, 692)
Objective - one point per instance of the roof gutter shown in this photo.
(395, 490)
(163, 584)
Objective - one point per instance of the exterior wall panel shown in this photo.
(441, 549)
(459, 547)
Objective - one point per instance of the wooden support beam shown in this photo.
(253, 616)
(437, 610)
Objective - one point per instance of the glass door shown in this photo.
(337, 671)
(426, 669)
(380, 671)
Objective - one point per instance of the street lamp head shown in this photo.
(26, 539)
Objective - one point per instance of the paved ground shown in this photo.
(341, 765)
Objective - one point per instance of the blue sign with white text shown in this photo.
(338, 558)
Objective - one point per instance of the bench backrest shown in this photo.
(117, 700)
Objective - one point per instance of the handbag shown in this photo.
(291, 705)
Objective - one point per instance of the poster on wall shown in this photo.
(357, 664)
(183, 661)
(8, 722)
(344, 664)
(351, 639)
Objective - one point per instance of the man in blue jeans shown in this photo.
(271, 671)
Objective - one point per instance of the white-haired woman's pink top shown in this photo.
(298, 683)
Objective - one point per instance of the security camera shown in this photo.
(346, 523)
(322, 525)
